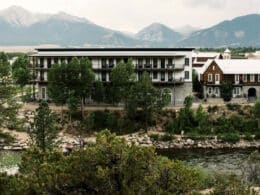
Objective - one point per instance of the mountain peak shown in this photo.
(67, 17)
(158, 32)
(19, 16)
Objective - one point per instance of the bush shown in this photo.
(167, 137)
(212, 109)
(230, 137)
(248, 137)
(155, 137)
(233, 106)
(6, 137)
(257, 135)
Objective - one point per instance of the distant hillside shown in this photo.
(20, 27)
(240, 32)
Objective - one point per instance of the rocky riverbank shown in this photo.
(180, 142)
(186, 143)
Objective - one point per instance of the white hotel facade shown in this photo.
(169, 68)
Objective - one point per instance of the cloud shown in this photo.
(207, 3)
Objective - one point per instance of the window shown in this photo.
(259, 78)
(209, 77)
(155, 75)
(162, 63)
(216, 77)
(213, 67)
(209, 90)
(170, 78)
(252, 78)
(103, 76)
(237, 78)
(49, 62)
(104, 63)
(155, 62)
(217, 91)
(162, 76)
(187, 74)
(236, 91)
(169, 61)
(147, 62)
(140, 63)
(244, 77)
(41, 62)
(187, 62)
(111, 63)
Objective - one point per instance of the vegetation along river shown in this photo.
(226, 161)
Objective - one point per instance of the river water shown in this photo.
(221, 161)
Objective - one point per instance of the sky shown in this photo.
(133, 15)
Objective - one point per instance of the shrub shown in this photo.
(6, 137)
(155, 137)
(257, 135)
(212, 109)
(248, 137)
(167, 137)
(233, 106)
(230, 137)
(171, 126)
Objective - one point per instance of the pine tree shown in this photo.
(44, 131)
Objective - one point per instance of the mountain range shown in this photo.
(22, 27)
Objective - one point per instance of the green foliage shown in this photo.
(20, 70)
(144, 96)
(226, 91)
(257, 112)
(110, 166)
(44, 131)
(249, 137)
(257, 136)
(230, 137)
(230, 184)
(8, 103)
(73, 79)
(6, 138)
(98, 93)
(213, 109)
(167, 137)
(233, 106)
(155, 137)
(122, 76)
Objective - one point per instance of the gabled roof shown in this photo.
(236, 66)
(205, 55)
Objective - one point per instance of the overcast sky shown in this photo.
(132, 15)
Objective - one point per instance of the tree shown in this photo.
(226, 91)
(21, 73)
(8, 103)
(257, 112)
(102, 168)
(122, 76)
(57, 89)
(44, 131)
(144, 96)
(196, 85)
(75, 78)
(98, 93)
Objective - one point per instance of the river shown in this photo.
(221, 161)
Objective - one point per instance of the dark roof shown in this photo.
(114, 49)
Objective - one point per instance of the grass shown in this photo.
(9, 159)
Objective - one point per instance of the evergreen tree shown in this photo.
(122, 76)
(145, 96)
(44, 131)
(226, 91)
(8, 103)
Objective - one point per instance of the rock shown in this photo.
(190, 141)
